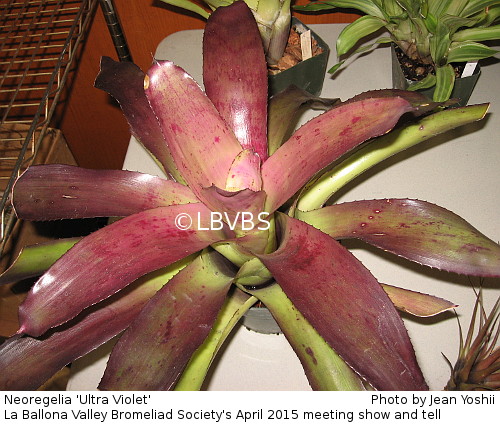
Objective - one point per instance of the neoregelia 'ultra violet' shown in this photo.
(241, 218)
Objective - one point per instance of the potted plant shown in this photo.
(188, 259)
(434, 39)
(282, 40)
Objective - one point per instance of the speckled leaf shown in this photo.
(346, 305)
(51, 192)
(201, 143)
(111, 258)
(27, 362)
(413, 229)
(323, 140)
(155, 349)
(235, 74)
(416, 303)
(283, 108)
(125, 82)
(34, 260)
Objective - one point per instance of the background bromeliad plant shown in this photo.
(430, 32)
(176, 292)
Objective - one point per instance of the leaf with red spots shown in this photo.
(324, 139)
(27, 362)
(237, 88)
(413, 229)
(51, 192)
(155, 349)
(200, 141)
(125, 82)
(109, 259)
(345, 304)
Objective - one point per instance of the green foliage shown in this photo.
(432, 32)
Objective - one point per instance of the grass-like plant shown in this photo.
(241, 218)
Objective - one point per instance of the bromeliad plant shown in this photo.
(430, 32)
(176, 281)
(273, 18)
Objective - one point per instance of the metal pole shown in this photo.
(115, 30)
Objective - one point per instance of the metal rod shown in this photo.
(115, 30)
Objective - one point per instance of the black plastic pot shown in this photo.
(309, 74)
(462, 89)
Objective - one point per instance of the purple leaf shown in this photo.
(283, 108)
(51, 192)
(125, 82)
(346, 305)
(323, 140)
(111, 258)
(235, 74)
(413, 229)
(201, 143)
(27, 362)
(155, 349)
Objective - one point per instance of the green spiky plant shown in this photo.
(175, 282)
(273, 18)
(430, 32)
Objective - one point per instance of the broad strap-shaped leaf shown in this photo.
(125, 82)
(201, 143)
(283, 108)
(413, 229)
(156, 347)
(235, 74)
(416, 303)
(27, 362)
(323, 140)
(346, 305)
(111, 258)
(56, 191)
(34, 260)
(236, 305)
(318, 191)
(324, 369)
